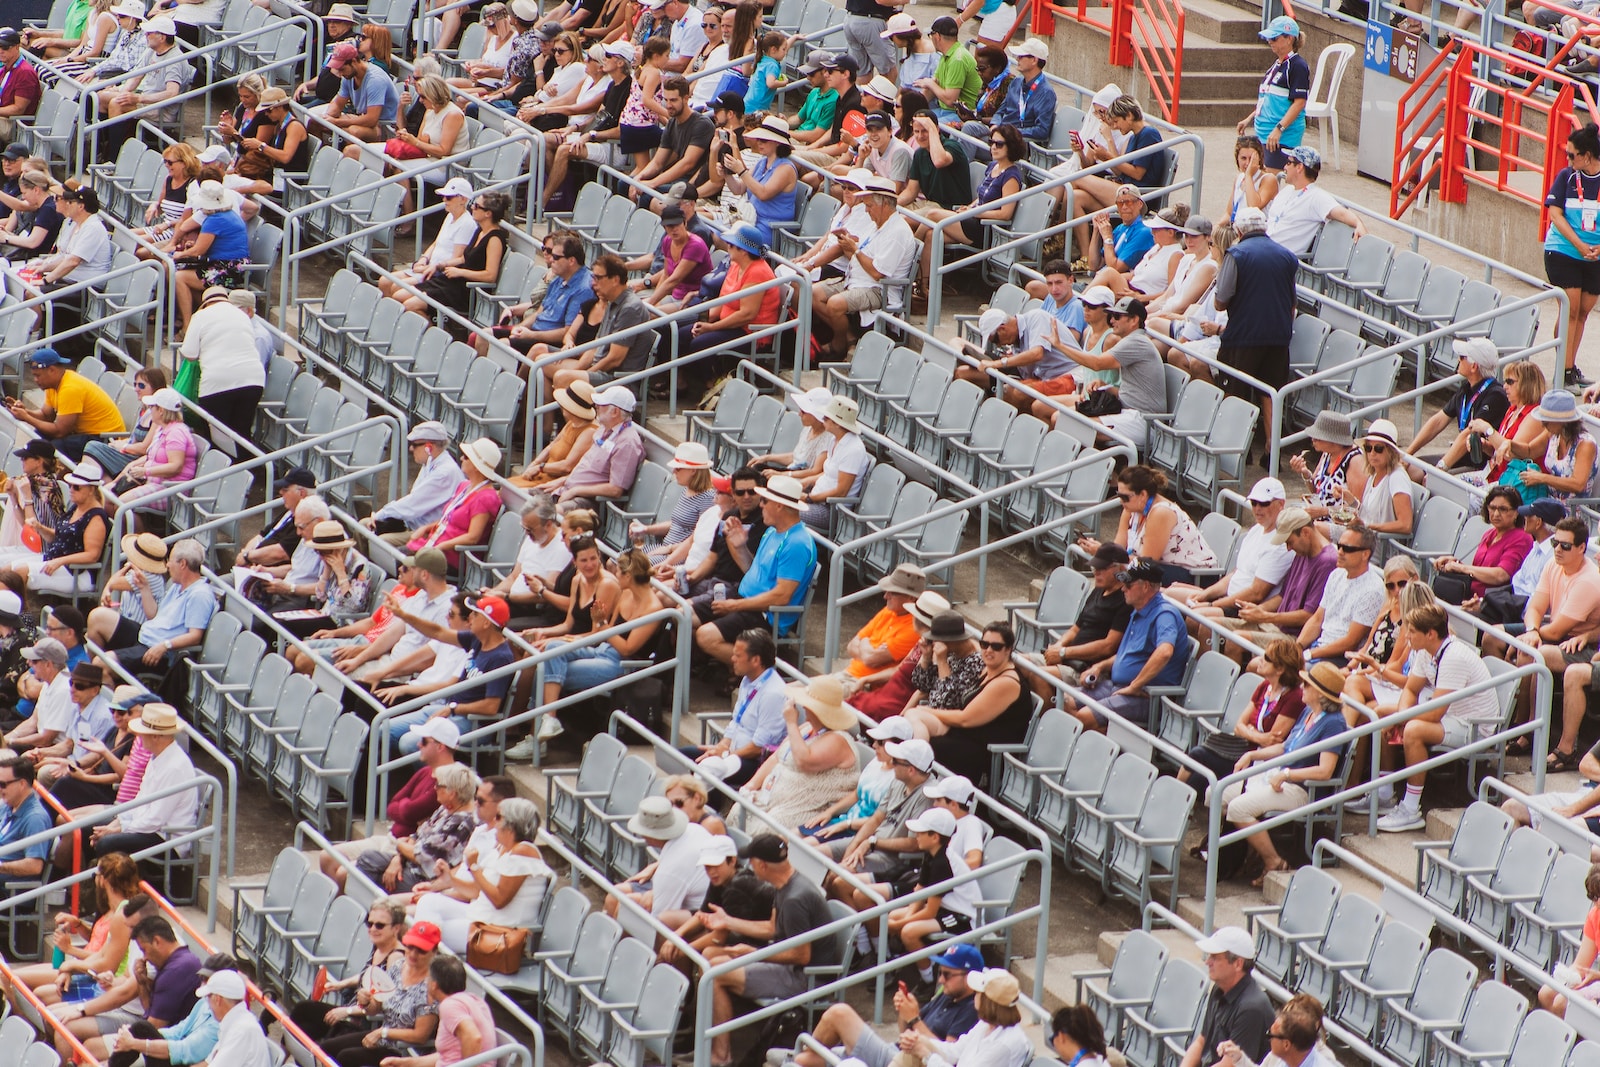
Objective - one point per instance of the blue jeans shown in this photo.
(578, 669)
(405, 742)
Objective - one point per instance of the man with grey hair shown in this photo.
(177, 623)
(289, 587)
(540, 561)
(1480, 399)
(1255, 286)
(438, 474)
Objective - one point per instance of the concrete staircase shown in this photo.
(1223, 60)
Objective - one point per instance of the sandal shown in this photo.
(1261, 881)
(1562, 761)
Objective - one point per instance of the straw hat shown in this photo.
(577, 400)
(157, 720)
(823, 696)
(330, 536)
(773, 128)
(211, 196)
(146, 552)
(484, 454)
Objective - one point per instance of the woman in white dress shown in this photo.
(510, 880)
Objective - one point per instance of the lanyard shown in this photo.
(1465, 415)
(749, 697)
(459, 498)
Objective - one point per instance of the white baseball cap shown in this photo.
(719, 849)
(229, 985)
(1233, 940)
(933, 821)
(161, 24)
(617, 396)
(456, 187)
(1267, 490)
(916, 752)
(441, 730)
(957, 787)
(894, 728)
(989, 322)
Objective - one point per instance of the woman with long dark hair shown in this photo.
(1572, 243)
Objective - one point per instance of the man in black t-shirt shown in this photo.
(849, 116)
(798, 907)
(685, 151)
(274, 546)
(1099, 628)
(36, 235)
(1480, 398)
(736, 891)
(721, 565)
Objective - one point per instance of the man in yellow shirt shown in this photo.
(76, 410)
(888, 637)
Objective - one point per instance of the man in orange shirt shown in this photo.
(888, 637)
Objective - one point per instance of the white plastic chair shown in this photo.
(1324, 105)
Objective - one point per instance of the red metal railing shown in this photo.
(1517, 129)
(1156, 41)
(1144, 33)
(57, 1029)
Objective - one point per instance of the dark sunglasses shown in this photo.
(1124, 497)
(744, 492)
(1391, 586)
(80, 686)
(378, 926)
(1562, 545)
(679, 803)
(1342, 547)
(1374, 448)
(993, 646)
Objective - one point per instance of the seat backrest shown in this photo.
(1353, 929)
(1180, 993)
(1065, 593)
(1396, 958)
(659, 1007)
(1447, 980)
(1335, 242)
(1494, 1011)
(1309, 902)
(1137, 966)
(596, 941)
(1525, 865)
(563, 920)
(1442, 293)
(1197, 406)
(1165, 815)
(993, 420)
(882, 483)
(959, 406)
(1128, 786)
(1213, 678)
(631, 785)
(1407, 274)
(1584, 1054)
(1222, 534)
(1090, 763)
(1480, 837)
(1055, 733)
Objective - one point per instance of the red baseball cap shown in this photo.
(493, 608)
(342, 54)
(721, 483)
(423, 935)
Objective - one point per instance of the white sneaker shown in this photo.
(1402, 819)
(1363, 805)
(550, 727)
(527, 748)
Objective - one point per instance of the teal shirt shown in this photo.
(192, 1040)
(817, 112)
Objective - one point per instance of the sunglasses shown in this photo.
(378, 926)
(1342, 547)
(680, 803)
(1392, 586)
(998, 142)
(1124, 497)
(1371, 449)
(562, 49)
(1562, 545)
(81, 686)
(993, 646)
(744, 492)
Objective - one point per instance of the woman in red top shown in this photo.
(747, 268)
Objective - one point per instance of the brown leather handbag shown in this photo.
(498, 949)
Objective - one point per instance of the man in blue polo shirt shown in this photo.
(24, 815)
(567, 287)
(368, 102)
(1154, 650)
(779, 573)
(177, 623)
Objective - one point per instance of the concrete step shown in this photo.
(1277, 884)
(1232, 899)
(1221, 87)
(1179, 945)
(1060, 975)
(1223, 22)
(1394, 854)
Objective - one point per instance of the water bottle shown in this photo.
(681, 576)
(719, 592)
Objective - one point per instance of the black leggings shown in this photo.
(235, 409)
(144, 1032)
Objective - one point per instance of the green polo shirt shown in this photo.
(959, 67)
(817, 112)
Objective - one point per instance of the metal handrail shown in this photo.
(126, 507)
(60, 1030)
(179, 838)
(46, 301)
(937, 265)
(304, 832)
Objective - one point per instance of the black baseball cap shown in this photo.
(844, 62)
(1109, 554)
(299, 476)
(85, 196)
(37, 448)
(945, 26)
(9, 38)
(15, 150)
(729, 102)
(877, 118)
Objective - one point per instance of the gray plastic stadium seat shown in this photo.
(1347, 945)
(1302, 918)
(1546, 932)
(564, 976)
(1148, 851)
(1129, 983)
(1479, 841)
(1085, 776)
(1126, 791)
(568, 788)
(253, 900)
(1205, 694)
(1392, 969)
(341, 945)
(1174, 1012)
(1440, 998)
(1017, 768)
(644, 1035)
(1493, 1017)
(1518, 878)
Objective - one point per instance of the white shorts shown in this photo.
(998, 23)
(1130, 424)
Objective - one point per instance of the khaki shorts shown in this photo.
(1243, 806)
(856, 299)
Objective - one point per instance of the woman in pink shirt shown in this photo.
(465, 1026)
(471, 509)
(1499, 554)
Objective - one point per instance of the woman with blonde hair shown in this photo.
(488, 71)
(181, 167)
(1525, 385)
(1384, 502)
(1379, 668)
(246, 118)
(442, 122)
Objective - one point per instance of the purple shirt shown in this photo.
(1506, 553)
(172, 996)
(1302, 583)
(613, 459)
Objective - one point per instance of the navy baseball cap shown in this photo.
(47, 357)
(1548, 510)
